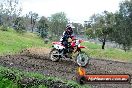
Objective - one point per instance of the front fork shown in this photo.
(75, 52)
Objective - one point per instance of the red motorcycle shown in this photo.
(73, 52)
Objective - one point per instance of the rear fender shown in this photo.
(59, 47)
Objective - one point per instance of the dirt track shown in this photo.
(30, 60)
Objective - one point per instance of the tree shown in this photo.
(11, 10)
(1, 20)
(102, 25)
(87, 24)
(27, 22)
(43, 27)
(19, 25)
(90, 34)
(107, 27)
(123, 23)
(1, 14)
(58, 23)
(34, 17)
(78, 28)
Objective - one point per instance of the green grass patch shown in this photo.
(8, 81)
(95, 51)
(90, 45)
(12, 42)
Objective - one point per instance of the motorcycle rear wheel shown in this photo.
(54, 55)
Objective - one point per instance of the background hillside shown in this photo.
(11, 41)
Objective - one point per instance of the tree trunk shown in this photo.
(103, 43)
(32, 23)
(124, 47)
(32, 27)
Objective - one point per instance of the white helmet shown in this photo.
(69, 26)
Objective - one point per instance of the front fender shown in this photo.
(81, 47)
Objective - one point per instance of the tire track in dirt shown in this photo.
(33, 60)
(58, 69)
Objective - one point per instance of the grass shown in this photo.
(5, 82)
(12, 42)
(95, 51)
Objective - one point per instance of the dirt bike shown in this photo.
(73, 51)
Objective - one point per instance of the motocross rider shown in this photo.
(67, 34)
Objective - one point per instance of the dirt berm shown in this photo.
(36, 60)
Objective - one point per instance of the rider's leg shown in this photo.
(65, 45)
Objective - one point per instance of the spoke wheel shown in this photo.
(82, 59)
(54, 55)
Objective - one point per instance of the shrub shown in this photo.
(3, 28)
(19, 25)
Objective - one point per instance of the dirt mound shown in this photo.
(36, 52)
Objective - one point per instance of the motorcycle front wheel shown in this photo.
(82, 59)
(54, 55)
